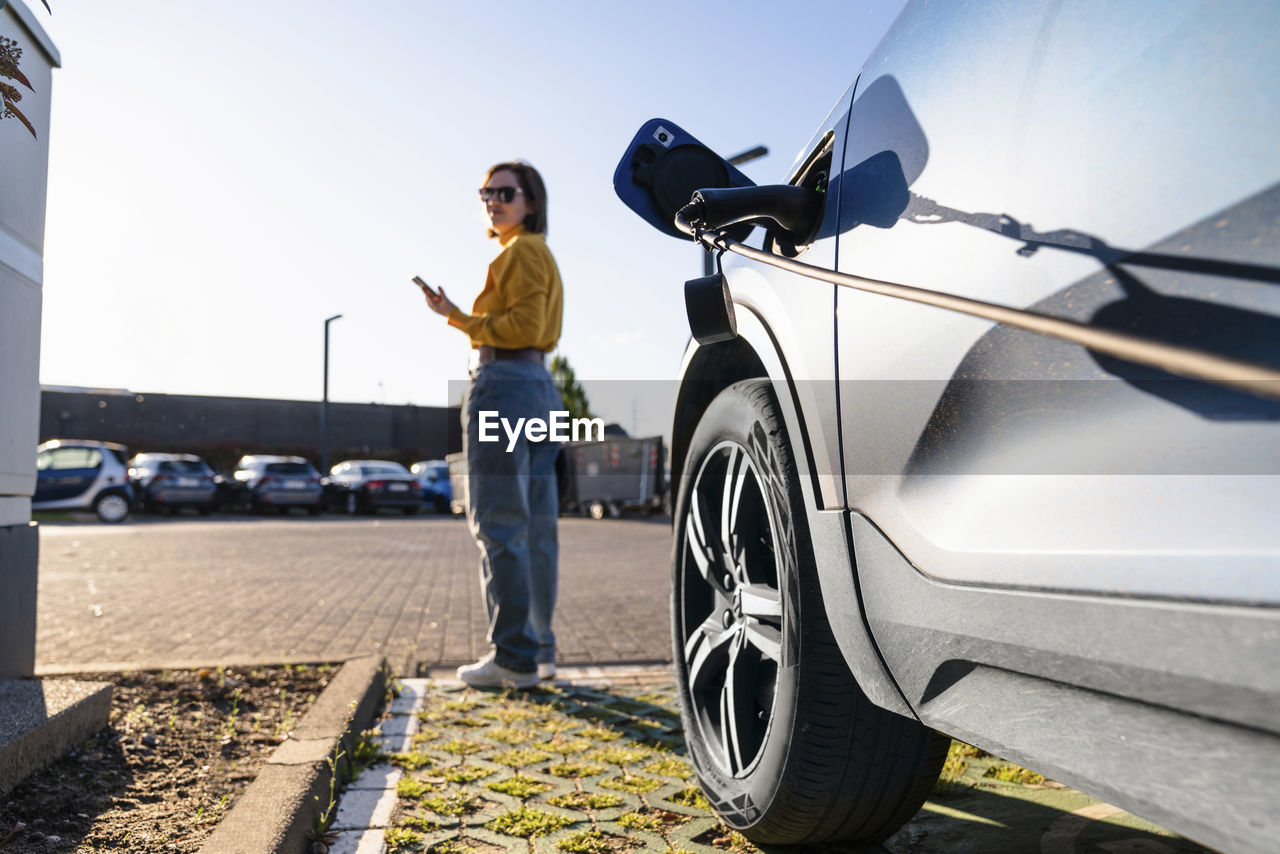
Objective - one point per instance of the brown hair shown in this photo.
(535, 193)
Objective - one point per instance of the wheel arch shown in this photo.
(755, 353)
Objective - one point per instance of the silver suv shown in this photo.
(980, 430)
(274, 483)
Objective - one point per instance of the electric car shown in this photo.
(977, 434)
(82, 474)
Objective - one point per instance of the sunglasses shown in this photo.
(506, 195)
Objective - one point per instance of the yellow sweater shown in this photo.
(522, 300)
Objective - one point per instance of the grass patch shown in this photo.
(620, 755)
(462, 705)
(574, 768)
(464, 774)
(566, 747)
(511, 716)
(634, 784)
(413, 789)
(461, 747)
(509, 735)
(591, 842)
(599, 733)
(519, 786)
(1014, 774)
(586, 801)
(521, 758)
(410, 761)
(420, 824)
(640, 821)
(557, 725)
(526, 822)
(456, 804)
(671, 767)
(691, 797)
(402, 839)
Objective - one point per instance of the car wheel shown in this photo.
(111, 508)
(787, 747)
(596, 510)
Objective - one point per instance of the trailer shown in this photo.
(614, 476)
(598, 479)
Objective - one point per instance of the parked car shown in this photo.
(979, 432)
(80, 474)
(365, 486)
(270, 483)
(433, 477)
(170, 482)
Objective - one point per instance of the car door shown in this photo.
(65, 473)
(1108, 170)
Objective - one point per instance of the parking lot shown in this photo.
(194, 592)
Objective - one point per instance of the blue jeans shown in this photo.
(512, 506)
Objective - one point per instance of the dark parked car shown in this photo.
(80, 474)
(365, 486)
(980, 431)
(170, 482)
(433, 477)
(274, 483)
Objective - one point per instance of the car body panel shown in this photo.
(71, 474)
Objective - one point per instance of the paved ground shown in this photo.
(190, 592)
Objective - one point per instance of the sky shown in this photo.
(223, 177)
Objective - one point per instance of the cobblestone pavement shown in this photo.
(180, 593)
(596, 763)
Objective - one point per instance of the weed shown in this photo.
(409, 761)
(419, 823)
(364, 752)
(464, 775)
(509, 735)
(402, 839)
(671, 767)
(571, 768)
(519, 786)
(413, 789)
(959, 748)
(462, 705)
(691, 797)
(459, 803)
(586, 842)
(472, 723)
(633, 783)
(327, 812)
(586, 800)
(566, 747)
(520, 758)
(620, 755)
(1014, 774)
(599, 733)
(510, 716)
(557, 725)
(640, 821)
(527, 822)
(461, 747)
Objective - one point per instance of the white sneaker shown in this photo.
(546, 670)
(487, 673)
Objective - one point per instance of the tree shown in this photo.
(573, 395)
(10, 55)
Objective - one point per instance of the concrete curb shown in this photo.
(285, 803)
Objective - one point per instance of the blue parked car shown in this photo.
(979, 432)
(81, 474)
(433, 475)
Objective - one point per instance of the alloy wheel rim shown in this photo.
(113, 508)
(731, 608)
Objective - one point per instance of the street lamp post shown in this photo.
(324, 406)
(708, 263)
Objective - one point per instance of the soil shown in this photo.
(180, 748)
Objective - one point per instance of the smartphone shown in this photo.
(427, 289)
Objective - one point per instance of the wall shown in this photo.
(24, 168)
(223, 428)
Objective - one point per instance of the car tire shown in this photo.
(111, 507)
(787, 747)
(442, 505)
(596, 510)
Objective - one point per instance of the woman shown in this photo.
(512, 498)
